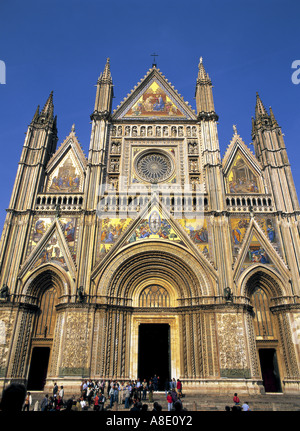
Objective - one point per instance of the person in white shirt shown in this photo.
(245, 407)
(61, 392)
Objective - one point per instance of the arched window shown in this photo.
(46, 321)
(262, 317)
(154, 296)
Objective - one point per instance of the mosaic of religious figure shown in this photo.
(154, 227)
(154, 102)
(241, 179)
(69, 230)
(239, 227)
(51, 253)
(271, 231)
(257, 254)
(66, 178)
(40, 226)
(198, 232)
(111, 230)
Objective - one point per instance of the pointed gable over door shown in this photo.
(66, 169)
(154, 98)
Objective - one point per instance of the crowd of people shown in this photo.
(104, 395)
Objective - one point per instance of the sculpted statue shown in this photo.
(228, 294)
(80, 294)
(4, 292)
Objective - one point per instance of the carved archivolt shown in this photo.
(137, 263)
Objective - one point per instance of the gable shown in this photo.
(154, 102)
(242, 177)
(56, 245)
(154, 223)
(66, 176)
(255, 242)
(66, 169)
(154, 98)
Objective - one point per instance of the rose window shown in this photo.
(154, 167)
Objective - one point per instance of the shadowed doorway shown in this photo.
(154, 352)
(269, 370)
(38, 368)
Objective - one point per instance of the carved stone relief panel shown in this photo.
(232, 346)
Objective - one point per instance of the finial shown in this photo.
(234, 129)
(154, 59)
(73, 128)
(201, 58)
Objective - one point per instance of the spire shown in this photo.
(49, 107)
(106, 75)
(202, 75)
(273, 119)
(203, 95)
(104, 93)
(260, 110)
(36, 115)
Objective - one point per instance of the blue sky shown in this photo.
(247, 46)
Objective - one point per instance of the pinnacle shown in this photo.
(49, 107)
(273, 119)
(202, 75)
(106, 75)
(260, 110)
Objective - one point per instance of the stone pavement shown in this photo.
(204, 402)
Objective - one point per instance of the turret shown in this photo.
(204, 96)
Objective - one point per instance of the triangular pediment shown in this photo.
(154, 98)
(257, 249)
(242, 170)
(154, 223)
(52, 248)
(66, 169)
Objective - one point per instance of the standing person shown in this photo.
(44, 404)
(116, 393)
(59, 403)
(55, 389)
(151, 390)
(101, 401)
(111, 395)
(61, 392)
(174, 396)
(167, 386)
(179, 388)
(127, 396)
(139, 388)
(155, 382)
(173, 383)
(236, 399)
(170, 401)
(28, 402)
(96, 402)
(84, 389)
(145, 386)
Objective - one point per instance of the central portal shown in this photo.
(154, 352)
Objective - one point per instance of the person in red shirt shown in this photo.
(170, 401)
(236, 399)
(96, 403)
(179, 388)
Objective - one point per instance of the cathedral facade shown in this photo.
(153, 254)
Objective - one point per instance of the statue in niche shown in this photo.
(228, 294)
(4, 292)
(80, 294)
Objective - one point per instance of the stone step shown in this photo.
(202, 402)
